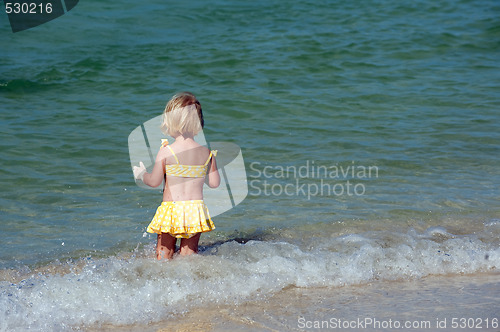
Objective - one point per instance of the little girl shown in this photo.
(184, 165)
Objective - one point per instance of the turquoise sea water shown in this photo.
(409, 89)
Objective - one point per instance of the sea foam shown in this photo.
(138, 289)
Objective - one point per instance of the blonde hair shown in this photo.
(178, 119)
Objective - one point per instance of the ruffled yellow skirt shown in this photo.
(181, 219)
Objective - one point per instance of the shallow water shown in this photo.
(310, 92)
(435, 303)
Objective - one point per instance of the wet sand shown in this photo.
(434, 303)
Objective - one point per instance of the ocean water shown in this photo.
(369, 132)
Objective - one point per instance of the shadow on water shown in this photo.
(257, 235)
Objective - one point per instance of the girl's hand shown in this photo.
(139, 171)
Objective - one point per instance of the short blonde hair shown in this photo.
(178, 119)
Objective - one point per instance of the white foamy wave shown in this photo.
(139, 289)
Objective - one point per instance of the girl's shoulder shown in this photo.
(171, 153)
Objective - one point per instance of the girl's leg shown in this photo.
(165, 246)
(190, 246)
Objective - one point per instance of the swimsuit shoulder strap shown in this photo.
(173, 153)
(212, 153)
(164, 143)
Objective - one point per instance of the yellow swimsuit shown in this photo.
(183, 219)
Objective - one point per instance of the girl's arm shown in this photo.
(213, 174)
(155, 178)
